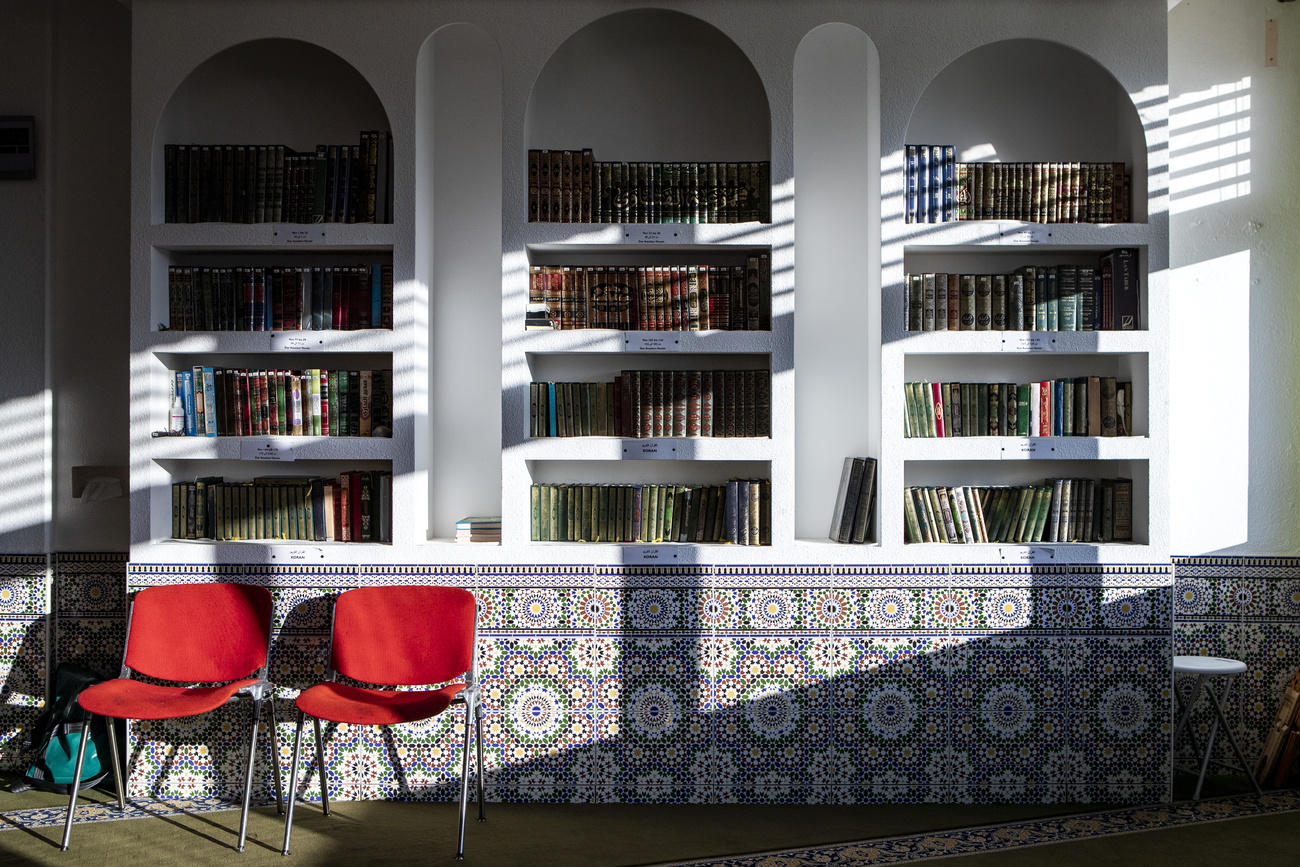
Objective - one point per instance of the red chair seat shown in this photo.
(357, 705)
(134, 699)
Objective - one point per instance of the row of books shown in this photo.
(227, 401)
(855, 502)
(1031, 298)
(268, 183)
(571, 186)
(1061, 510)
(355, 506)
(939, 189)
(656, 403)
(279, 297)
(738, 513)
(1085, 406)
(479, 529)
(652, 297)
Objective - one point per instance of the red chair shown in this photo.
(188, 633)
(396, 636)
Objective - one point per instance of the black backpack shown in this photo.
(56, 736)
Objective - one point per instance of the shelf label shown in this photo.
(653, 235)
(292, 340)
(1028, 341)
(650, 554)
(297, 235)
(649, 450)
(1027, 554)
(261, 450)
(643, 341)
(300, 555)
(1027, 235)
(1031, 447)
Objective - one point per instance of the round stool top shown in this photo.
(1211, 665)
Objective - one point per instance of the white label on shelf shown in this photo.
(1026, 554)
(254, 449)
(652, 235)
(301, 555)
(651, 554)
(288, 233)
(1030, 447)
(291, 340)
(650, 449)
(1028, 341)
(642, 341)
(1027, 235)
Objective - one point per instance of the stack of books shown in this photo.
(479, 529)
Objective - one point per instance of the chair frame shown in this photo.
(257, 692)
(1218, 701)
(470, 697)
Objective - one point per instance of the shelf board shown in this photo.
(1026, 448)
(1025, 342)
(597, 340)
(300, 237)
(288, 448)
(278, 552)
(979, 235)
(248, 342)
(630, 238)
(1039, 554)
(648, 448)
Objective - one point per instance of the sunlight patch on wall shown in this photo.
(25, 469)
(1209, 144)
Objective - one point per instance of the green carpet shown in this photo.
(1219, 830)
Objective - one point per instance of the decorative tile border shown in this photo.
(1018, 835)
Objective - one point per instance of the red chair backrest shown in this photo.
(199, 632)
(403, 635)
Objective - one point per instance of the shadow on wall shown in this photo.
(756, 685)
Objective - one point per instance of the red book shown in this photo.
(323, 383)
(936, 394)
(1045, 409)
(343, 513)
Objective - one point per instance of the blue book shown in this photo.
(911, 175)
(937, 194)
(1058, 407)
(209, 402)
(187, 400)
(553, 427)
(376, 294)
(949, 184)
(923, 189)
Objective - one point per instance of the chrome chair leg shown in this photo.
(275, 759)
(320, 768)
(117, 766)
(464, 784)
(248, 774)
(293, 785)
(478, 743)
(76, 783)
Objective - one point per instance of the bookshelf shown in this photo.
(684, 92)
(467, 93)
(1064, 106)
(255, 92)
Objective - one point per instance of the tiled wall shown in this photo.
(1247, 609)
(24, 618)
(758, 684)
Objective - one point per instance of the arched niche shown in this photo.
(650, 84)
(267, 91)
(1031, 100)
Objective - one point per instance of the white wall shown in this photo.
(24, 208)
(1235, 254)
(1235, 184)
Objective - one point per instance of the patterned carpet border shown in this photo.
(136, 808)
(1017, 835)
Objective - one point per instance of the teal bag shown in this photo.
(56, 736)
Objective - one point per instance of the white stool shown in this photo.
(1206, 669)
